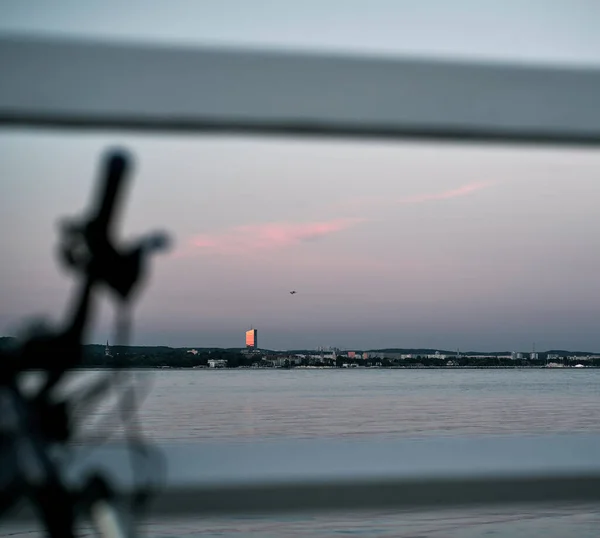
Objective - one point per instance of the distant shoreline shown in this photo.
(187, 368)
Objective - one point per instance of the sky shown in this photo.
(388, 244)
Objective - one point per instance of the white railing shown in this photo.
(317, 475)
(82, 84)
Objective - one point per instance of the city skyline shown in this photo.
(436, 245)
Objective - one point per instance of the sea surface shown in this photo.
(249, 405)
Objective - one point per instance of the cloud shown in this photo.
(252, 237)
(247, 239)
(445, 195)
(463, 190)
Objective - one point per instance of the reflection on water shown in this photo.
(250, 405)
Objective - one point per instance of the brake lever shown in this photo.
(88, 248)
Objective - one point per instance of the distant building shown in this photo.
(252, 339)
(107, 352)
(217, 363)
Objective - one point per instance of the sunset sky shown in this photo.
(387, 244)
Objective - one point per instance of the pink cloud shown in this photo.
(445, 195)
(247, 239)
(252, 237)
(463, 190)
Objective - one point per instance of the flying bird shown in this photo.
(292, 292)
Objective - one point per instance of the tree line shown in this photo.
(125, 357)
(464, 361)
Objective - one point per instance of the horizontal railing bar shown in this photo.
(295, 476)
(220, 127)
(378, 495)
(80, 84)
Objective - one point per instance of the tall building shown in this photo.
(252, 339)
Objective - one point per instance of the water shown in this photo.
(247, 405)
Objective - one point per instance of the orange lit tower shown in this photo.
(252, 339)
